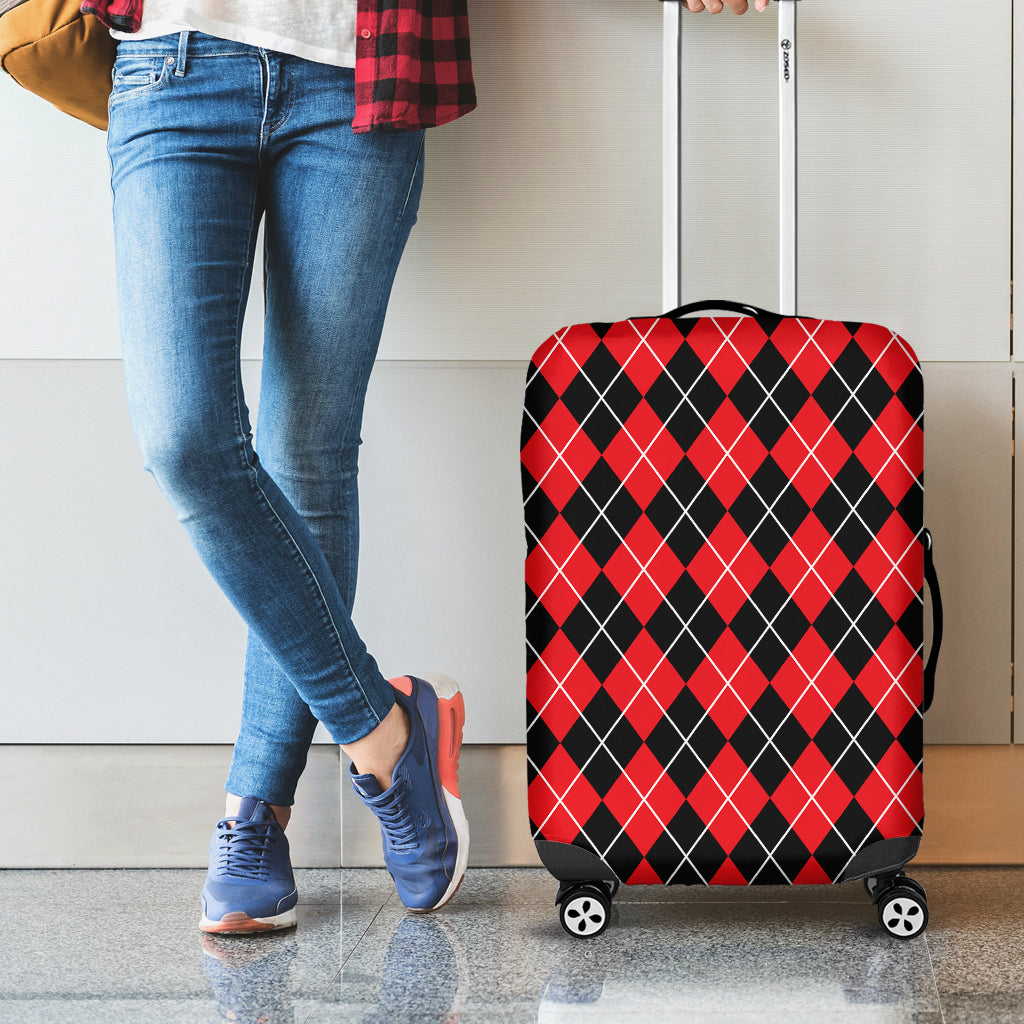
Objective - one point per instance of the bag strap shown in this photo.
(933, 586)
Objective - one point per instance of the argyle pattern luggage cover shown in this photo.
(724, 595)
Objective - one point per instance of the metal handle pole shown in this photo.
(787, 157)
(671, 287)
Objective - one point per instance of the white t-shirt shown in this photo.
(320, 30)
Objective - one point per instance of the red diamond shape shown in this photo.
(812, 826)
(749, 799)
(560, 714)
(665, 799)
(557, 663)
(809, 364)
(560, 357)
(646, 363)
(895, 360)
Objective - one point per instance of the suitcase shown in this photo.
(725, 574)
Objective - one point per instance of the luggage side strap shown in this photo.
(933, 587)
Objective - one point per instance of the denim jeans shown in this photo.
(207, 136)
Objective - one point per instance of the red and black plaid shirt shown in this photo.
(413, 67)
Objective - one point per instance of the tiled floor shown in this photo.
(99, 946)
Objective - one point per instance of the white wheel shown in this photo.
(585, 913)
(903, 912)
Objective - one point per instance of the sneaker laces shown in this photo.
(396, 820)
(244, 848)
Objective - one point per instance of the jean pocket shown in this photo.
(134, 75)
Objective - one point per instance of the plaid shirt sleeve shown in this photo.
(413, 66)
(123, 15)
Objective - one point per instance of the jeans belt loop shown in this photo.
(179, 69)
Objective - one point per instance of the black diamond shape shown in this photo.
(582, 395)
(540, 740)
(623, 742)
(854, 768)
(770, 597)
(600, 484)
(911, 394)
(706, 511)
(666, 855)
(600, 830)
(853, 481)
(600, 656)
(602, 772)
(541, 628)
(596, 720)
(663, 396)
(791, 741)
(770, 826)
(622, 512)
(705, 627)
(911, 739)
(853, 595)
(874, 394)
(685, 367)
(685, 769)
(540, 398)
(911, 506)
(539, 512)
(790, 395)
(875, 739)
(767, 766)
(911, 624)
(706, 740)
(684, 425)
(707, 856)
(705, 396)
(623, 627)
(769, 484)
(670, 750)
(832, 739)
(875, 625)
(583, 623)
(791, 855)
(854, 710)
(623, 397)
(664, 627)
(791, 626)
(685, 655)
(855, 826)
(624, 856)
(832, 853)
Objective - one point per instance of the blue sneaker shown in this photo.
(426, 836)
(249, 887)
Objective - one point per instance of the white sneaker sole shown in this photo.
(240, 923)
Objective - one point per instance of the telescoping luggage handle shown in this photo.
(671, 136)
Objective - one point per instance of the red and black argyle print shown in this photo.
(724, 595)
(413, 67)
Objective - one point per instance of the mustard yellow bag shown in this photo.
(50, 48)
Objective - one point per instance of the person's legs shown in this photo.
(339, 209)
(192, 147)
(190, 184)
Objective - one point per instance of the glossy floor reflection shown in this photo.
(121, 946)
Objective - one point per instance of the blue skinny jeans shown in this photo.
(206, 137)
